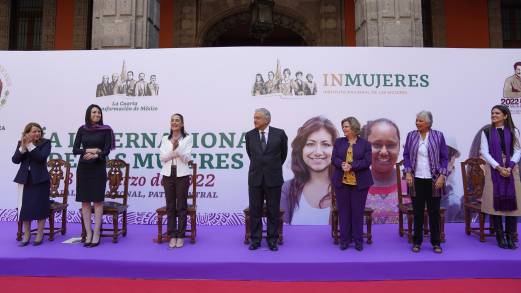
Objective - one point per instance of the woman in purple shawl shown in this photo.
(425, 161)
(93, 143)
(501, 193)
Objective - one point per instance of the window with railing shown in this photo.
(511, 23)
(26, 25)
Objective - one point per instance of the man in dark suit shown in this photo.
(267, 148)
(103, 89)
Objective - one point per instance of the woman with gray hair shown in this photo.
(425, 158)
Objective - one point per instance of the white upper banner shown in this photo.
(217, 91)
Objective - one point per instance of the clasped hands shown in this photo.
(438, 184)
(175, 144)
(91, 154)
(505, 172)
(346, 167)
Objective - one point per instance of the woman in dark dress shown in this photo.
(33, 180)
(93, 142)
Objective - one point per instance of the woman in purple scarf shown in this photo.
(93, 143)
(425, 158)
(500, 148)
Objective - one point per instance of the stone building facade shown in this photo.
(113, 24)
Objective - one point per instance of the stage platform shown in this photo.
(308, 254)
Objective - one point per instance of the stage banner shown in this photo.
(307, 90)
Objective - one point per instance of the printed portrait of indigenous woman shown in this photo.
(384, 137)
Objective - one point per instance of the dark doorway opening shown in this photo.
(241, 36)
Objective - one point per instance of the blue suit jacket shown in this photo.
(361, 162)
(36, 160)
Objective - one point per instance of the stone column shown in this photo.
(4, 24)
(388, 23)
(119, 24)
(185, 21)
(331, 23)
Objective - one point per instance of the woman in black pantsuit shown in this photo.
(33, 180)
(93, 142)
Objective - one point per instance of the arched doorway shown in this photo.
(234, 30)
(240, 36)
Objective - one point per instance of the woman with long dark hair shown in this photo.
(258, 87)
(175, 155)
(33, 180)
(306, 199)
(502, 191)
(93, 142)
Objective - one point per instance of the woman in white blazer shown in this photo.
(175, 154)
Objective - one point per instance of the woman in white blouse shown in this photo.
(425, 161)
(175, 155)
(502, 191)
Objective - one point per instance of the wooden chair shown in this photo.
(335, 230)
(405, 209)
(472, 171)
(117, 178)
(191, 211)
(247, 234)
(59, 172)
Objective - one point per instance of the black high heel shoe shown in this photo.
(94, 244)
(38, 243)
(87, 244)
(25, 243)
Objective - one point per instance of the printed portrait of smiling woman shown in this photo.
(307, 197)
(384, 136)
